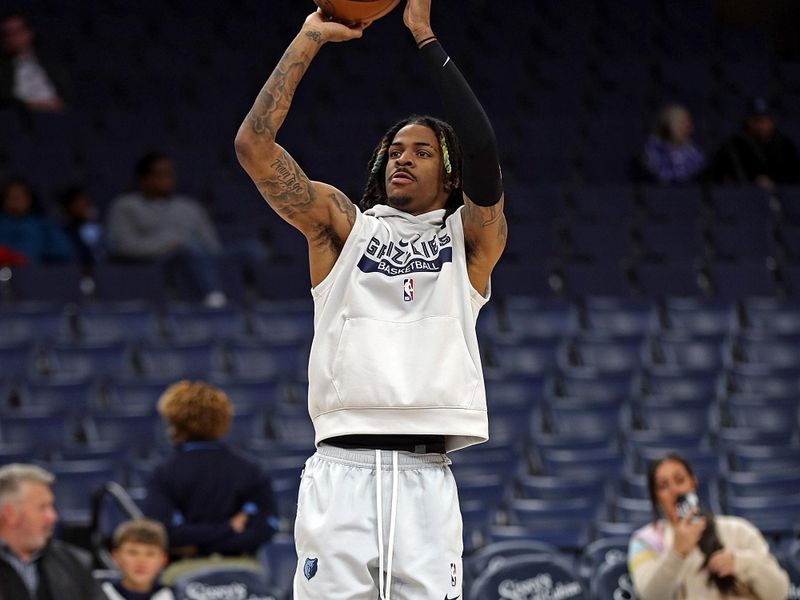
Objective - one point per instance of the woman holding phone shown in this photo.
(686, 553)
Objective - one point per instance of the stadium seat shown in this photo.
(544, 487)
(620, 316)
(279, 560)
(612, 580)
(232, 580)
(492, 556)
(553, 575)
(608, 550)
(76, 481)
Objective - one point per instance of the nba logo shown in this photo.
(408, 290)
(453, 578)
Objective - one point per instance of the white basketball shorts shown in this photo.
(369, 528)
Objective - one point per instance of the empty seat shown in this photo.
(191, 323)
(611, 580)
(740, 204)
(555, 575)
(620, 316)
(735, 280)
(582, 280)
(767, 413)
(678, 278)
(699, 317)
(673, 204)
(116, 282)
(180, 360)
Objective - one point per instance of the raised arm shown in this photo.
(321, 212)
(485, 229)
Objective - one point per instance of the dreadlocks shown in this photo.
(452, 158)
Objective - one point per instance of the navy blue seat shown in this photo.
(103, 322)
(603, 204)
(279, 560)
(673, 242)
(187, 322)
(767, 413)
(524, 356)
(740, 204)
(282, 281)
(33, 319)
(260, 361)
(735, 280)
(581, 280)
(673, 204)
(76, 481)
(83, 359)
(582, 417)
(598, 243)
(71, 396)
(768, 350)
(680, 352)
(16, 356)
(726, 242)
(608, 550)
(561, 462)
(604, 352)
(774, 514)
(591, 383)
(46, 429)
(620, 316)
(553, 573)
(658, 280)
(526, 279)
(637, 511)
(699, 317)
(47, 282)
(758, 483)
(540, 317)
(179, 360)
(764, 457)
(140, 431)
(224, 579)
(545, 487)
(674, 415)
(771, 316)
(612, 580)
(763, 379)
(115, 282)
(492, 556)
(283, 323)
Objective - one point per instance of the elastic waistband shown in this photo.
(366, 458)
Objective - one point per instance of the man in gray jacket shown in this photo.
(154, 223)
(33, 566)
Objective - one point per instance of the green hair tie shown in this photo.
(445, 155)
(376, 166)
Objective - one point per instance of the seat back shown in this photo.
(529, 576)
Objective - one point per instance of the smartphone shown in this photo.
(685, 503)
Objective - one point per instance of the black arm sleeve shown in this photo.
(482, 182)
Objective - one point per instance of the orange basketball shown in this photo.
(356, 10)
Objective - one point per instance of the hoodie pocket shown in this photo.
(419, 364)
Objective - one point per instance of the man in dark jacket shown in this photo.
(33, 566)
(759, 153)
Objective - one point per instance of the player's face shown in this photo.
(415, 180)
(671, 480)
(140, 564)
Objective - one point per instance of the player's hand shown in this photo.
(417, 17)
(333, 31)
(688, 532)
(722, 563)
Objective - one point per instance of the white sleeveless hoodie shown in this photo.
(395, 349)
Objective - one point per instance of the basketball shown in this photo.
(349, 11)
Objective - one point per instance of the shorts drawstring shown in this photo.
(385, 593)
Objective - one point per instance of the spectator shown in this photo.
(670, 155)
(698, 556)
(82, 225)
(33, 566)
(210, 499)
(25, 79)
(139, 548)
(759, 153)
(154, 223)
(26, 231)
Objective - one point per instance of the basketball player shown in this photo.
(395, 377)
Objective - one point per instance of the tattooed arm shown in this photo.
(485, 233)
(321, 212)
